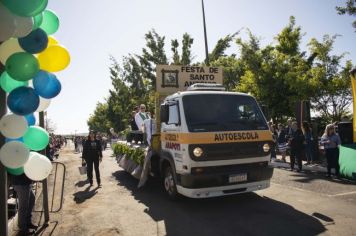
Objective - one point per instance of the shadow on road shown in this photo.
(245, 214)
(307, 176)
(81, 196)
(81, 183)
(47, 229)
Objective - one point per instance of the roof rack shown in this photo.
(206, 87)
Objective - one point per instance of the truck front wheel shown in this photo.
(170, 183)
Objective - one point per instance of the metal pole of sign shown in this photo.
(205, 37)
(44, 182)
(3, 173)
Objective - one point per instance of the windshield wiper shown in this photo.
(204, 123)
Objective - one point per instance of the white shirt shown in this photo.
(139, 120)
(150, 128)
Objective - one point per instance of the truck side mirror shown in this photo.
(164, 113)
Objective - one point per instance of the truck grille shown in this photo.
(228, 151)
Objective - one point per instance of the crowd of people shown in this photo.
(56, 142)
(299, 142)
(79, 142)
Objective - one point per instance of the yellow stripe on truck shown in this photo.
(218, 137)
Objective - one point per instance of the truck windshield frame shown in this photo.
(222, 112)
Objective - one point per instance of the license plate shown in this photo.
(237, 178)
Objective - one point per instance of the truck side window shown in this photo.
(173, 114)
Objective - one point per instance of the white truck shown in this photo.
(211, 143)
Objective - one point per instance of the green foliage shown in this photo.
(278, 75)
(221, 46)
(332, 95)
(98, 121)
(186, 57)
(137, 154)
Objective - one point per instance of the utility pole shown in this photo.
(44, 182)
(3, 173)
(205, 37)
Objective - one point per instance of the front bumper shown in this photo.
(223, 190)
(216, 176)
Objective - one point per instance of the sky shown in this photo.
(94, 30)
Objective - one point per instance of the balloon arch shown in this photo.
(30, 55)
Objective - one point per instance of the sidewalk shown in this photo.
(318, 167)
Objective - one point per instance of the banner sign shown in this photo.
(353, 85)
(173, 78)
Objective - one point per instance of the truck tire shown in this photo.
(169, 183)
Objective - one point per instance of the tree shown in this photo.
(186, 52)
(220, 47)
(122, 98)
(349, 9)
(333, 94)
(271, 73)
(278, 75)
(154, 54)
(186, 57)
(134, 82)
(99, 120)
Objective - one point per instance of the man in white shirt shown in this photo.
(141, 116)
(149, 128)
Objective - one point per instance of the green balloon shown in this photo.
(22, 66)
(17, 171)
(37, 21)
(25, 7)
(50, 23)
(36, 138)
(8, 84)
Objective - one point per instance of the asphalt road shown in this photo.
(303, 203)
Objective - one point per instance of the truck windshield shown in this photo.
(222, 112)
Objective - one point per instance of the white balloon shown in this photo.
(44, 104)
(23, 26)
(14, 154)
(38, 167)
(13, 126)
(7, 23)
(8, 48)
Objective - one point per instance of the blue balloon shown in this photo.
(31, 119)
(14, 139)
(23, 101)
(46, 84)
(34, 42)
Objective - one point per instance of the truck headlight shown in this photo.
(266, 147)
(198, 152)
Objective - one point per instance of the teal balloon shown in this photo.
(37, 21)
(36, 138)
(22, 66)
(17, 171)
(23, 101)
(8, 84)
(50, 23)
(25, 7)
(34, 42)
